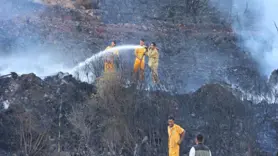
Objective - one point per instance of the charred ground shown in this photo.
(61, 114)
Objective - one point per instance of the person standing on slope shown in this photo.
(199, 149)
(109, 65)
(176, 135)
(140, 60)
(153, 55)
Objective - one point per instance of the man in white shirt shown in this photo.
(199, 149)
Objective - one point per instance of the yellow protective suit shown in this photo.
(109, 60)
(140, 61)
(174, 134)
(153, 63)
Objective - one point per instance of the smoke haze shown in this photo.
(254, 22)
(22, 47)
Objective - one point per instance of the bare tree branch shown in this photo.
(275, 25)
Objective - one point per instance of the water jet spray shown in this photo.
(80, 68)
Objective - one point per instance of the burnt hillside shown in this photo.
(213, 84)
(194, 40)
(60, 114)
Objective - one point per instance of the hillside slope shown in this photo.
(214, 85)
(115, 120)
(193, 52)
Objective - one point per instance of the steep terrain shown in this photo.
(60, 114)
(214, 85)
(194, 41)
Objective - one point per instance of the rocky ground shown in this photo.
(60, 115)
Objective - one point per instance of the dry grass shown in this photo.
(108, 85)
(112, 101)
(104, 116)
(32, 141)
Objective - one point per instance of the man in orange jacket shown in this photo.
(109, 65)
(140, 60)
(176, 135)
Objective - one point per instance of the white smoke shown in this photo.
(24, 56)
(32, 53)
(254, 23)
(26, 53)
(36, 60)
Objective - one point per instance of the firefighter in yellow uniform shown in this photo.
(140, 60)
(153, 55)
(109, 65)
(176, 135)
